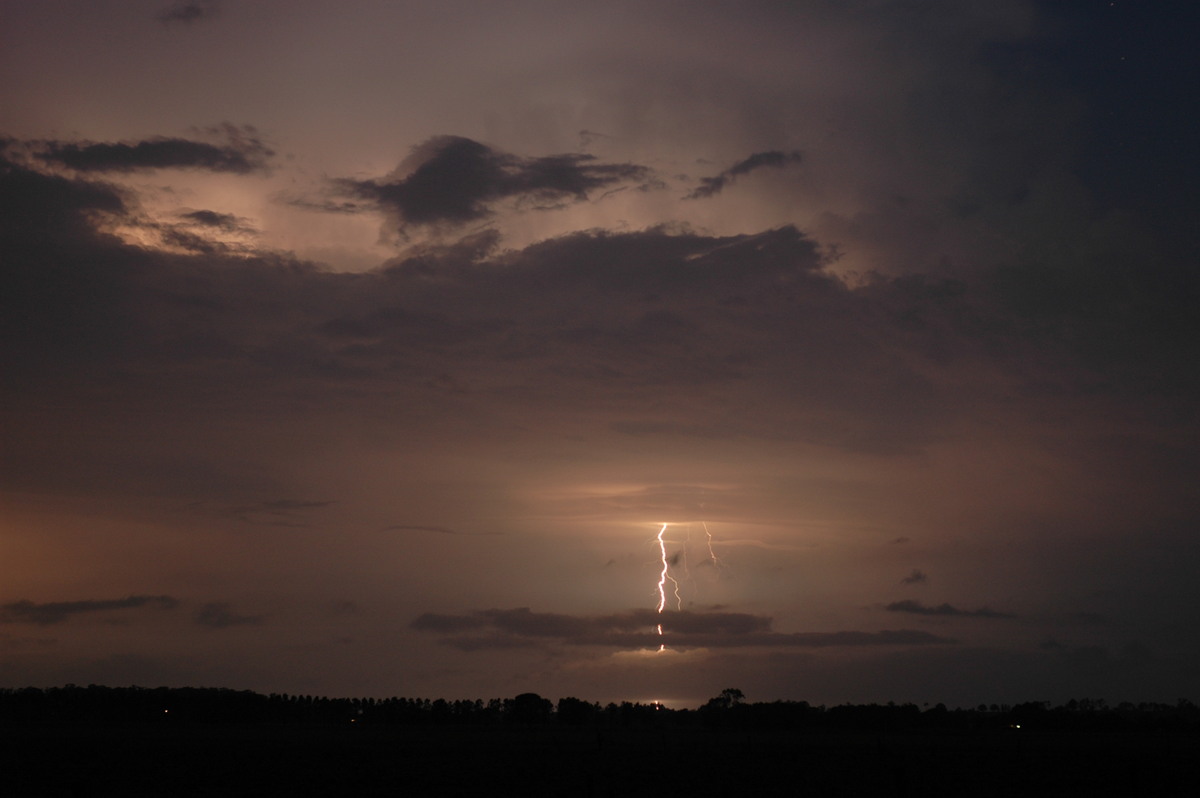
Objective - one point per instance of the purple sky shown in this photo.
(365, 348)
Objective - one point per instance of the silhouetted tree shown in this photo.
(574, 712)
(528, 708)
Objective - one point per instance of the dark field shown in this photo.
(64, 758)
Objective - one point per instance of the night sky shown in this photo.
(366, 348)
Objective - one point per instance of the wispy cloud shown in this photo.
(775, 159)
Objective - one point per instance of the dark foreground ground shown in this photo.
(92, 759)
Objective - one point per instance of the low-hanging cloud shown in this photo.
(58, 611)
(520, 627)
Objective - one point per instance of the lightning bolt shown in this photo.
(664, 574)
(711, 555)
(663, 578)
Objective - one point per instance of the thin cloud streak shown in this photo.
(243, 154)
(917, 608)
(775, 159)
(55, 612)
(638, 629)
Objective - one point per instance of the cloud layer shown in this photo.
(638, 629)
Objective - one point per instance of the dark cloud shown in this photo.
(242, 153)
(189, 11)
(918, 608)
(227, 222)
(218, 615)
(581, 316)
(452, 180)
(655, 307)
(638, 629)
(58, 611)
(915, 578)
(185, 239)
(62, 296)
(753, 332)
(523, 621)
(40, 209)
(775, 159)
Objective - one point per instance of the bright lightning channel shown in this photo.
(662, 583)
(711, 555)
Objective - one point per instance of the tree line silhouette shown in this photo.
(729, 709)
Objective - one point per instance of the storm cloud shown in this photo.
(846, 298)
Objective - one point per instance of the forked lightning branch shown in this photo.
(665, 576)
